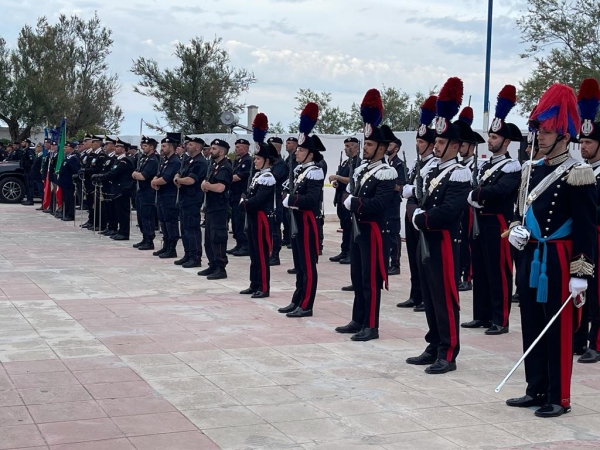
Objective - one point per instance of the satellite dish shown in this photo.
(229, 119)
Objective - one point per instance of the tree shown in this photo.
(194, 94)
(332, 120)
(563, 38)
(277, 128)
(59, 70)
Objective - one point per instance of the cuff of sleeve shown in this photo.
(194, 176)
(582, 267)
(354, 204)
(477, 195)
(421, 221)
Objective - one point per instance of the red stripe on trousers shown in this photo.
(451, 292)
(47, 192)
(373, 280)
(598, 289)
(470, 233)
(505, 264)
(262, 235)
(313, 223)
(566, 326)
(307, 262)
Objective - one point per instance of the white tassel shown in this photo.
(511, 167)
(315, 174)
(266, 179)
(461, 175)
(581, 175)
(387, 173)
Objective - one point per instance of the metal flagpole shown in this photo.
(488, 56)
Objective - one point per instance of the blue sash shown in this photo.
(538, 278)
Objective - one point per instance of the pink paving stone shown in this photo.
(106, 375)
(120, 390)
(134, 406)
(110, 444)
(29, 380)
(126, 340)
(42, 366)
(10, 397)
(192, 440)
(20, 436)
(79, 431)
(101, 362)
(14, 415)
(160, 423)
(63, 412)
(57, 394)
(135, 349)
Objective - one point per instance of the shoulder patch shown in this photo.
(461, 175)
(266, 179)
(315, 174)
(387, 173)
(581, 175)
(511, 167)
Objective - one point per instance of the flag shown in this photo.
(61, 145)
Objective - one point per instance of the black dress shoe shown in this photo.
(394, 270)
(441, 366)
(419, 308)
(139, 243)
(476, 324)
(299, 312)
(285, 243)
(260, 294)
(353, 327)
(39, 209)
(159, 252)
(248, 291)
(243, 251)
(108, 232)
(366, 334)
(171, 253)
(26, 203)
(579, 351)
(465, 286)
(119, 237)
(515, 298)
(495, 330)
(274, 261)
(345, 260)
(550, 410)
(289, 246)
(526, 401)
(68, 219)
(424, 359)
(286, 309)
(181, 261)
(192, 263)
(590, 356)
(218, 274)
(207, 271)
(234, 249)
(148, 245)
(348, 288)
(410, 303)
(292, 271)
(337, 258)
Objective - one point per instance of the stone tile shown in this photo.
(150, 360)
(200, 400)
(382, 423)
(473, 436)
(106, 375)
(20, 436)
(14, 415)
(109, 444)
(438, 418)
(10, 397)
(79, 431)
(135, 405)
(141, 425)
(459, 396)
(64, 412)
(262, 396)
(191, 440)
(221, 367)
(120, 390)
(321, 430)
(347, 406)
(203, 356)
(58, 394)
(229, 382)
(52, 365)
(91, 363)
(232, 416)
(51, 379)
(168, 371)
(346, 444)
(288, 412)
(256, 436)
(539, 430)
(498, 412)
(422, 440)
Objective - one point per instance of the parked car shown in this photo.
(12, 182)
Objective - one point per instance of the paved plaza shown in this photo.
(104, 347)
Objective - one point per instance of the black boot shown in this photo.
(171, 251)
(142, 242)
(162, 250)
(274, 259)
(182, 261)
(148, 245)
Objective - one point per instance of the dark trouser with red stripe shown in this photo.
(191, 234)
(593, 302)
(395, 241)
(259, 246)
(466, 227)
(492, 271)
(549, 365)
(412, 242)
(305, 248)
(345, 217)
(370, 257)
(440, 294)
(215, 243)
(122, 210)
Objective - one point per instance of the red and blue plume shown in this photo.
(428, 110)
(308, 118)
(588, 99)
(466, 115)
(507, 98)
(260, 127)
(371, 108)
(450, 98)
(557, 110)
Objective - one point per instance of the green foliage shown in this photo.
(194, 94)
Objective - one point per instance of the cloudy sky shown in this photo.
(341, 46)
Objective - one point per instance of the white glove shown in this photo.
(519, 236)
(577, 286)
(408, 191)
(348, 202)
(415, 214)
(472, 202)
(286, 201)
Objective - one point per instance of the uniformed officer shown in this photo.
(558, 241)
(493, 201)
(322, 164)
(339, 182)
(259, 206)
(216, 188)
(589, 138)
(108, 218)
(188, 180)
(26, 163)
(371, 189)
(36, 170)
(167, 209)
(291, 144)
(425, 161)
(241, 172)
(91, 162)
(438, 217)
(146, 170)
(280, 171)
(393, 212)
(68, 169)
(304, 202)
